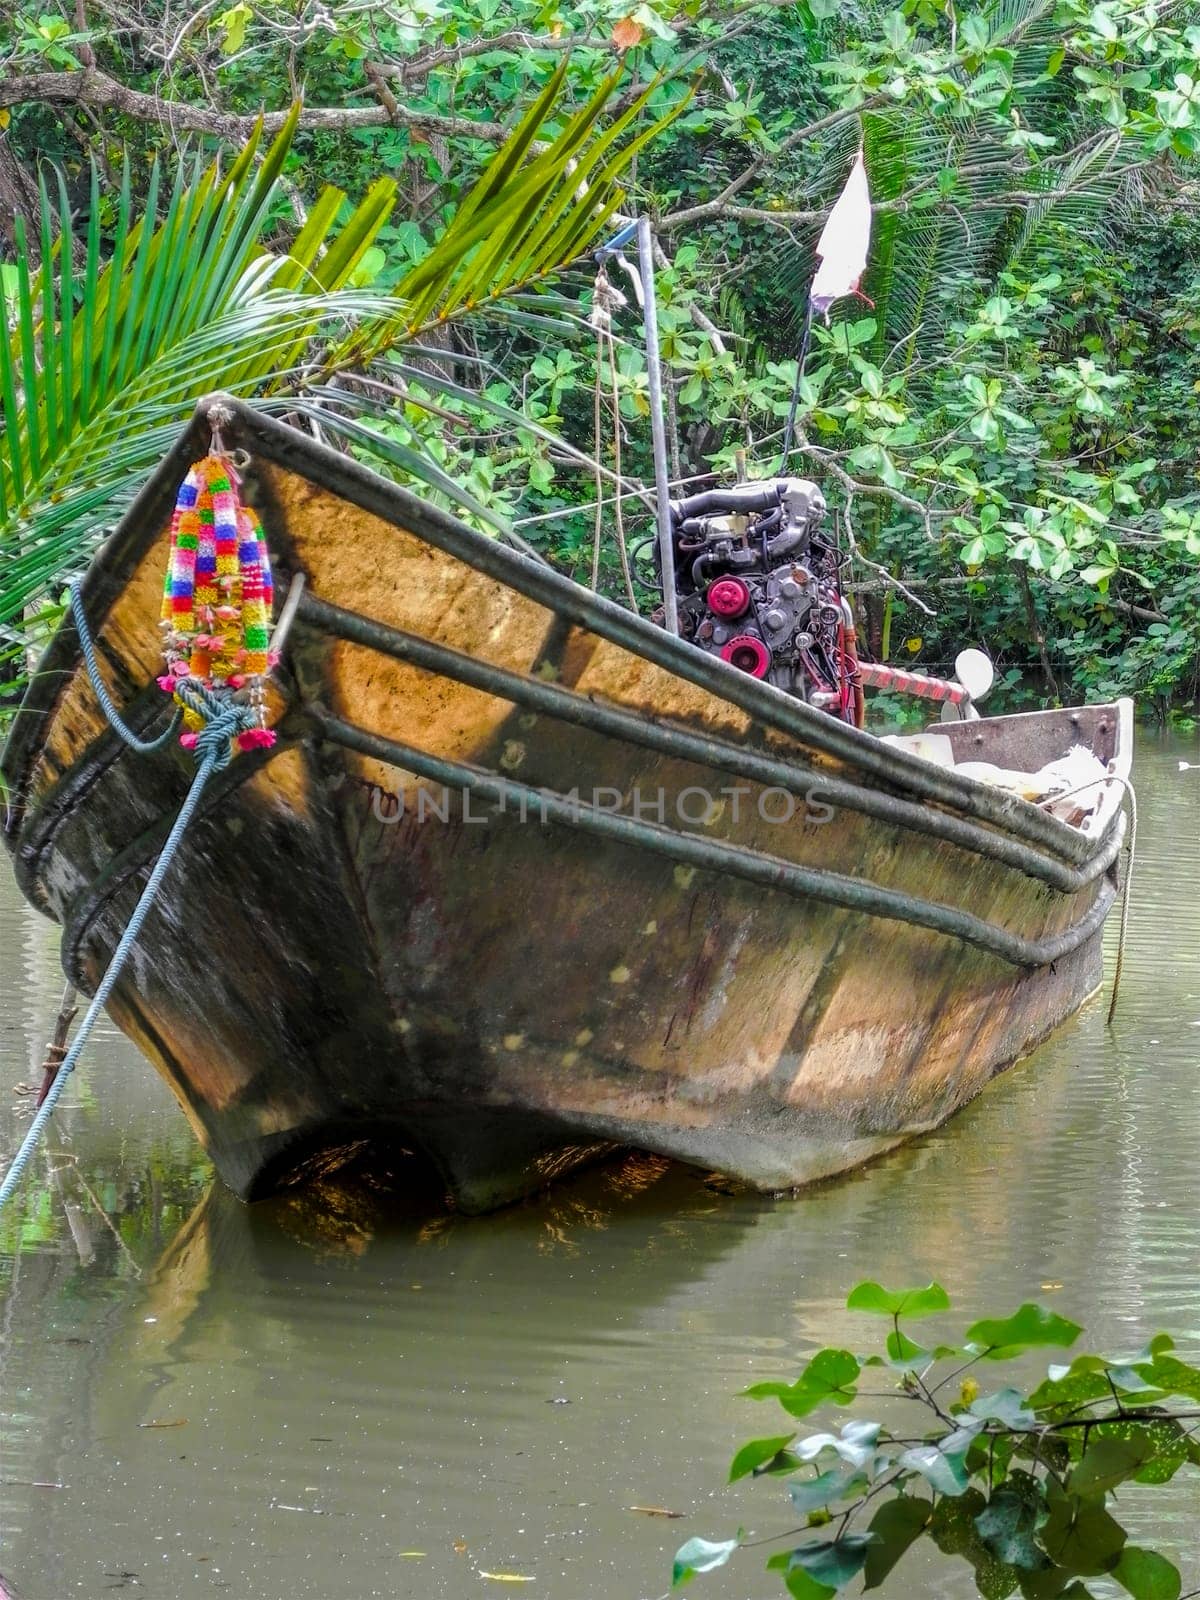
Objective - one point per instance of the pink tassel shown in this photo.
(166, 683)
(188, 740)
(256, 739)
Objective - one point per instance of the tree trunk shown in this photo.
(1036, 633)
(18, 198)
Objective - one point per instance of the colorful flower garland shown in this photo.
(217, 598)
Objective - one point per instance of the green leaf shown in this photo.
(1009, 1523)
(829, 1376)
(796, 1581)
(1172, 1447)
(832, 1562)
(1107, 1462)
(1170, 1375)
(905, 1353)
(953, 1530)
(1080, 1535)
(234, 22)
(896, 1525)
(856, 1444)
(700, 1555)
(1029, 1326)
(754, 1454)
(801, 1587)
(1098, 572)
(945, 1473)
(898, 1302)
(369, 267)
(1147, 1575)
(839, 1483)
(1006, 1406)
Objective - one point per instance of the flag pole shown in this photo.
(789, 432)
(658, 435)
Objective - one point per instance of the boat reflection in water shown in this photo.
(297, 1394)
(316, 1400)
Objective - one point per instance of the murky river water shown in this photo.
(197, 1397)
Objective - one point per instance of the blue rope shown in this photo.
(213, 751)
(143, 747)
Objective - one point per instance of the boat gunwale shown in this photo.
(766, 871)
(682, 742)
(42, 825)
(285, 447)
(718, 855)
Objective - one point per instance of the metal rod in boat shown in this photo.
(284, 626)
(666, 546)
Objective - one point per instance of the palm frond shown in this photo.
(538, 205)
(101, 363)
(97, 372)
(953, 194)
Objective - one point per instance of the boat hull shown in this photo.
(353, 950)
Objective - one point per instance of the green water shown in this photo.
(290, 1401)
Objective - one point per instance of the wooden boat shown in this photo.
(525, 877)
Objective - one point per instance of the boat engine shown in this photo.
(757, 584)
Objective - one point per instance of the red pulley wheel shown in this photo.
(747, 654)
(728, 597)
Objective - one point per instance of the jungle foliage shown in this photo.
(1007, 431)
(1020, 1485)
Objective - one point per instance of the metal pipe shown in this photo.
(288, 615)
(683, 744)
(666, 545)
(715, 855)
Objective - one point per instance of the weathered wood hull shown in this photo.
(354, 948)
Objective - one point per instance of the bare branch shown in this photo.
(720, 205)
(90, 87)
(418, 67)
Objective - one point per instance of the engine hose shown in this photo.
(698, 575)
(746, 498)
(815, 673)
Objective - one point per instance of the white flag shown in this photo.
(844, 243)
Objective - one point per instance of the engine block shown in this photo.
(757, 584)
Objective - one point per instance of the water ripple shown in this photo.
(271, 1402)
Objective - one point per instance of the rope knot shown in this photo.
(225, 720)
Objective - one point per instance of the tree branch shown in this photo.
(91, 87)
(962, 580)
(418, 67)
(720, 205)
